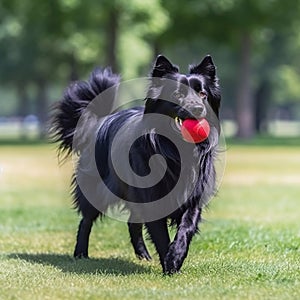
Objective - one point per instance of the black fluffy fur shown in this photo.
(203, 81)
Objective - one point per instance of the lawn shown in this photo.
(249, 246)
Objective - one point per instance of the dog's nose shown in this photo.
(198, 110)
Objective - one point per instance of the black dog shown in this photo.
(156, 147)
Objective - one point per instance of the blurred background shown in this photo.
(255, 44)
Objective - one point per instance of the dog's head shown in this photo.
(195, 95)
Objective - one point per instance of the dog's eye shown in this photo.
(203, 95)
(178, 95)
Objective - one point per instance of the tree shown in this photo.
(45, 43)
(237, 24)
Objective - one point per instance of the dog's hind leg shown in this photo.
(137, 241)
(90, 214)
(83, 235)
(158, 231)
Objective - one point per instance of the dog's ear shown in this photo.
(206, 67)
(163, 66)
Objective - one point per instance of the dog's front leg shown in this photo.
(178, 249)
(158, 231)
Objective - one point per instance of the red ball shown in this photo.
(195, 131)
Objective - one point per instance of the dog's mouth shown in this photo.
(178, 123)
(192, 130)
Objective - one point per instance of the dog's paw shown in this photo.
(170, 268)
(141, 251)
(144, 255)
(173, 260)
(80, 255)
(171, 264)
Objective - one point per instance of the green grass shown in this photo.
(249, 246)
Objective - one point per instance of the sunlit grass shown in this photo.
(248, 248)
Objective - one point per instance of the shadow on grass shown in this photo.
(67, 264)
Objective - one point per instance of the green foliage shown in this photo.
(140, 27)
(45, 44)
(251, 41)
(287, 79)
(40, 38)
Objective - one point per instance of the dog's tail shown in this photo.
(75, 100)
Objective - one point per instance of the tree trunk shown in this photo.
(262, 99)
(23, 107)
(245, 106)
(73, 68)
(112, 38)
(23, 100)
(42, 106)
